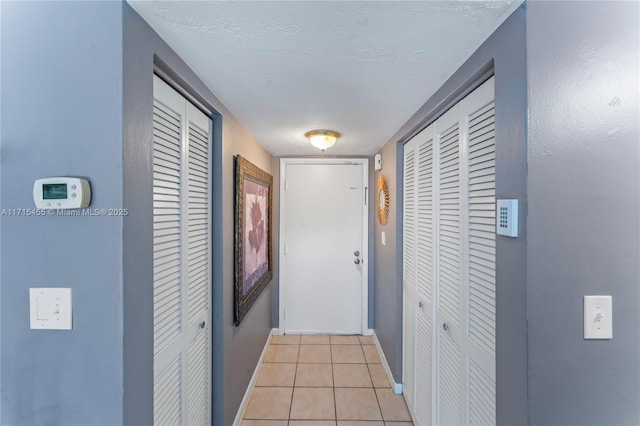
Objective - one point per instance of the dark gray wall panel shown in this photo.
(583, 227)
(62, 115)
(236, 350)
(504, 53)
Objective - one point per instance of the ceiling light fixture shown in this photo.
(322, 139)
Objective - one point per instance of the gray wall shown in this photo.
(584, 186)
(236, 349)
(62, 115)
(504, 52)
(387, 291)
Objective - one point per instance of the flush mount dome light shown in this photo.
(322, 139)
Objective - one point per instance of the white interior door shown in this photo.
(323, 246)
(181, 259)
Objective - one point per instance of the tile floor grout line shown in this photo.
(293, 386)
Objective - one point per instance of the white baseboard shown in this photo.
(254, 377)
(397, 387)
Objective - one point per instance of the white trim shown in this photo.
(252, 383)
(365, 237)
(397, 387)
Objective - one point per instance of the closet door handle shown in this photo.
(420, 304)
(445, 326)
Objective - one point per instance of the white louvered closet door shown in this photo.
(409, 273)
(479, 310)
(425, 277)
(182, 258)
(449, 266)
(449, 269)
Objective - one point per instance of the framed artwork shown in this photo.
(253, 193)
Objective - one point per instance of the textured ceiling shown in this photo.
(361, 68)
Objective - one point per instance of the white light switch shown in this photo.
(50, 308)
(383, 238)
(598, 317)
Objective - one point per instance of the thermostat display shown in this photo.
(61, 193)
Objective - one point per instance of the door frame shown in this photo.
(284, 162)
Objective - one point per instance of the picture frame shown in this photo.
(253, 235)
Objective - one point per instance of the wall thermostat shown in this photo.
(508, 218)
(61, 193)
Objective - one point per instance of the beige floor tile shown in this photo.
(357, 404)
(263, 423)
(367, 340)
(359, 423)
(371, 354)
(393, 406)
(312, 423)
(269, 404)
(315, 354)
(396, 424)
(379, 376)
(315, 340)
(314, 375)
(285, 339)
(345, 340)
(282, 353)
(313, 404)
(347, 354)
(276, 374)
(351, 376)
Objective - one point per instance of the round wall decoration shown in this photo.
(383, 200)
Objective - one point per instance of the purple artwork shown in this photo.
(254, 188)
(255, 256)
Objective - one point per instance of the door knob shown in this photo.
(445, 326)
(420, 304)
(357, 261)
(356, 253)
(202, 325)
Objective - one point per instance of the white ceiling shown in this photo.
(361, 68)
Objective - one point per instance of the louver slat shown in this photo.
(482, 234)
(167, 407)
(449, 221)
(409, 251)
(166, 240)
(198, 260)
(481, 397)
(198, 222)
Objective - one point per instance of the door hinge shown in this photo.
(285, 248)
(285, 185)
(365, 195)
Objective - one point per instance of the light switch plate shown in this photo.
(50, 308)
(598, 317)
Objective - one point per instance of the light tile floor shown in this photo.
(324, 381)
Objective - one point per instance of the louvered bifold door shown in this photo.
(409, 273)
(181, 260)
(198, 266)
(449, 275)
(425, 277)
(168, 250)
(478, 114)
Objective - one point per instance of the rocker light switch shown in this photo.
(598, 317)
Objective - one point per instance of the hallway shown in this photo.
(321, 380)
